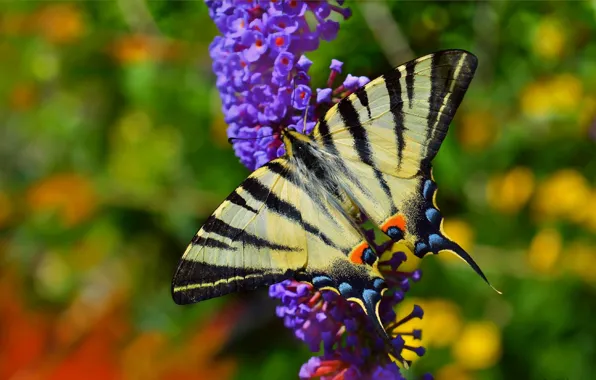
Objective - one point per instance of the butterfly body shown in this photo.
(298, 216)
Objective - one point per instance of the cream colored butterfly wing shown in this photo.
(276, 225)
(385, 136)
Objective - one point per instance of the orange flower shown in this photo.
(70, 194)
(60, 23)
(5, 209)
(23, 335)
(137, 48)
(22, 97)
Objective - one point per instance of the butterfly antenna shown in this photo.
(231, 139)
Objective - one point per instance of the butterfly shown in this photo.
(298, 215)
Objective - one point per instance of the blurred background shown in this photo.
(113, 152)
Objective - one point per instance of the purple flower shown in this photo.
(351, 82)
(336, 65)
(256, 43)
(301, 97)
(324, 95)
(292, 7)
(279, 42)
(284, 63)
(328, 30)
(237, 23)
(304, 63)
(282, 23)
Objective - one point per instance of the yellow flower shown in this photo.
(441, 324)
(70, 194)
(453, 372)
(509, 192)
(476, 130)
(479, 345)
(549, 38)
(587, 114)
(459, 231)
(553, 96)
(587, 216)
(566, 92)
(544, 250)
(562, 195)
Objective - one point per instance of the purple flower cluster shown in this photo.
(262, 73)
(352, 350)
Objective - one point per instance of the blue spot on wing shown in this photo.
(378, 283)
(369, 256)
(395, 233)
(428, 190)
(436, 241)
(371, 297)
(322, 281)
(433, 216)
(420, 249)
(345, 289)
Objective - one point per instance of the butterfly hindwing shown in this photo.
(386, 134)
(276, 225)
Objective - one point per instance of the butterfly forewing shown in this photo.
(237, 249)
(385, 135)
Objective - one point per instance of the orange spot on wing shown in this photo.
(397, 220)
(356, 254)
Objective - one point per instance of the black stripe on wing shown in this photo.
(448, 69)
(210, 243)
(219, 227)
(410, 66)
(197, 281)
(286, 173)
(363, 97)
(237, 199)
(350, 117)
(393, 86)
(283, 208)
